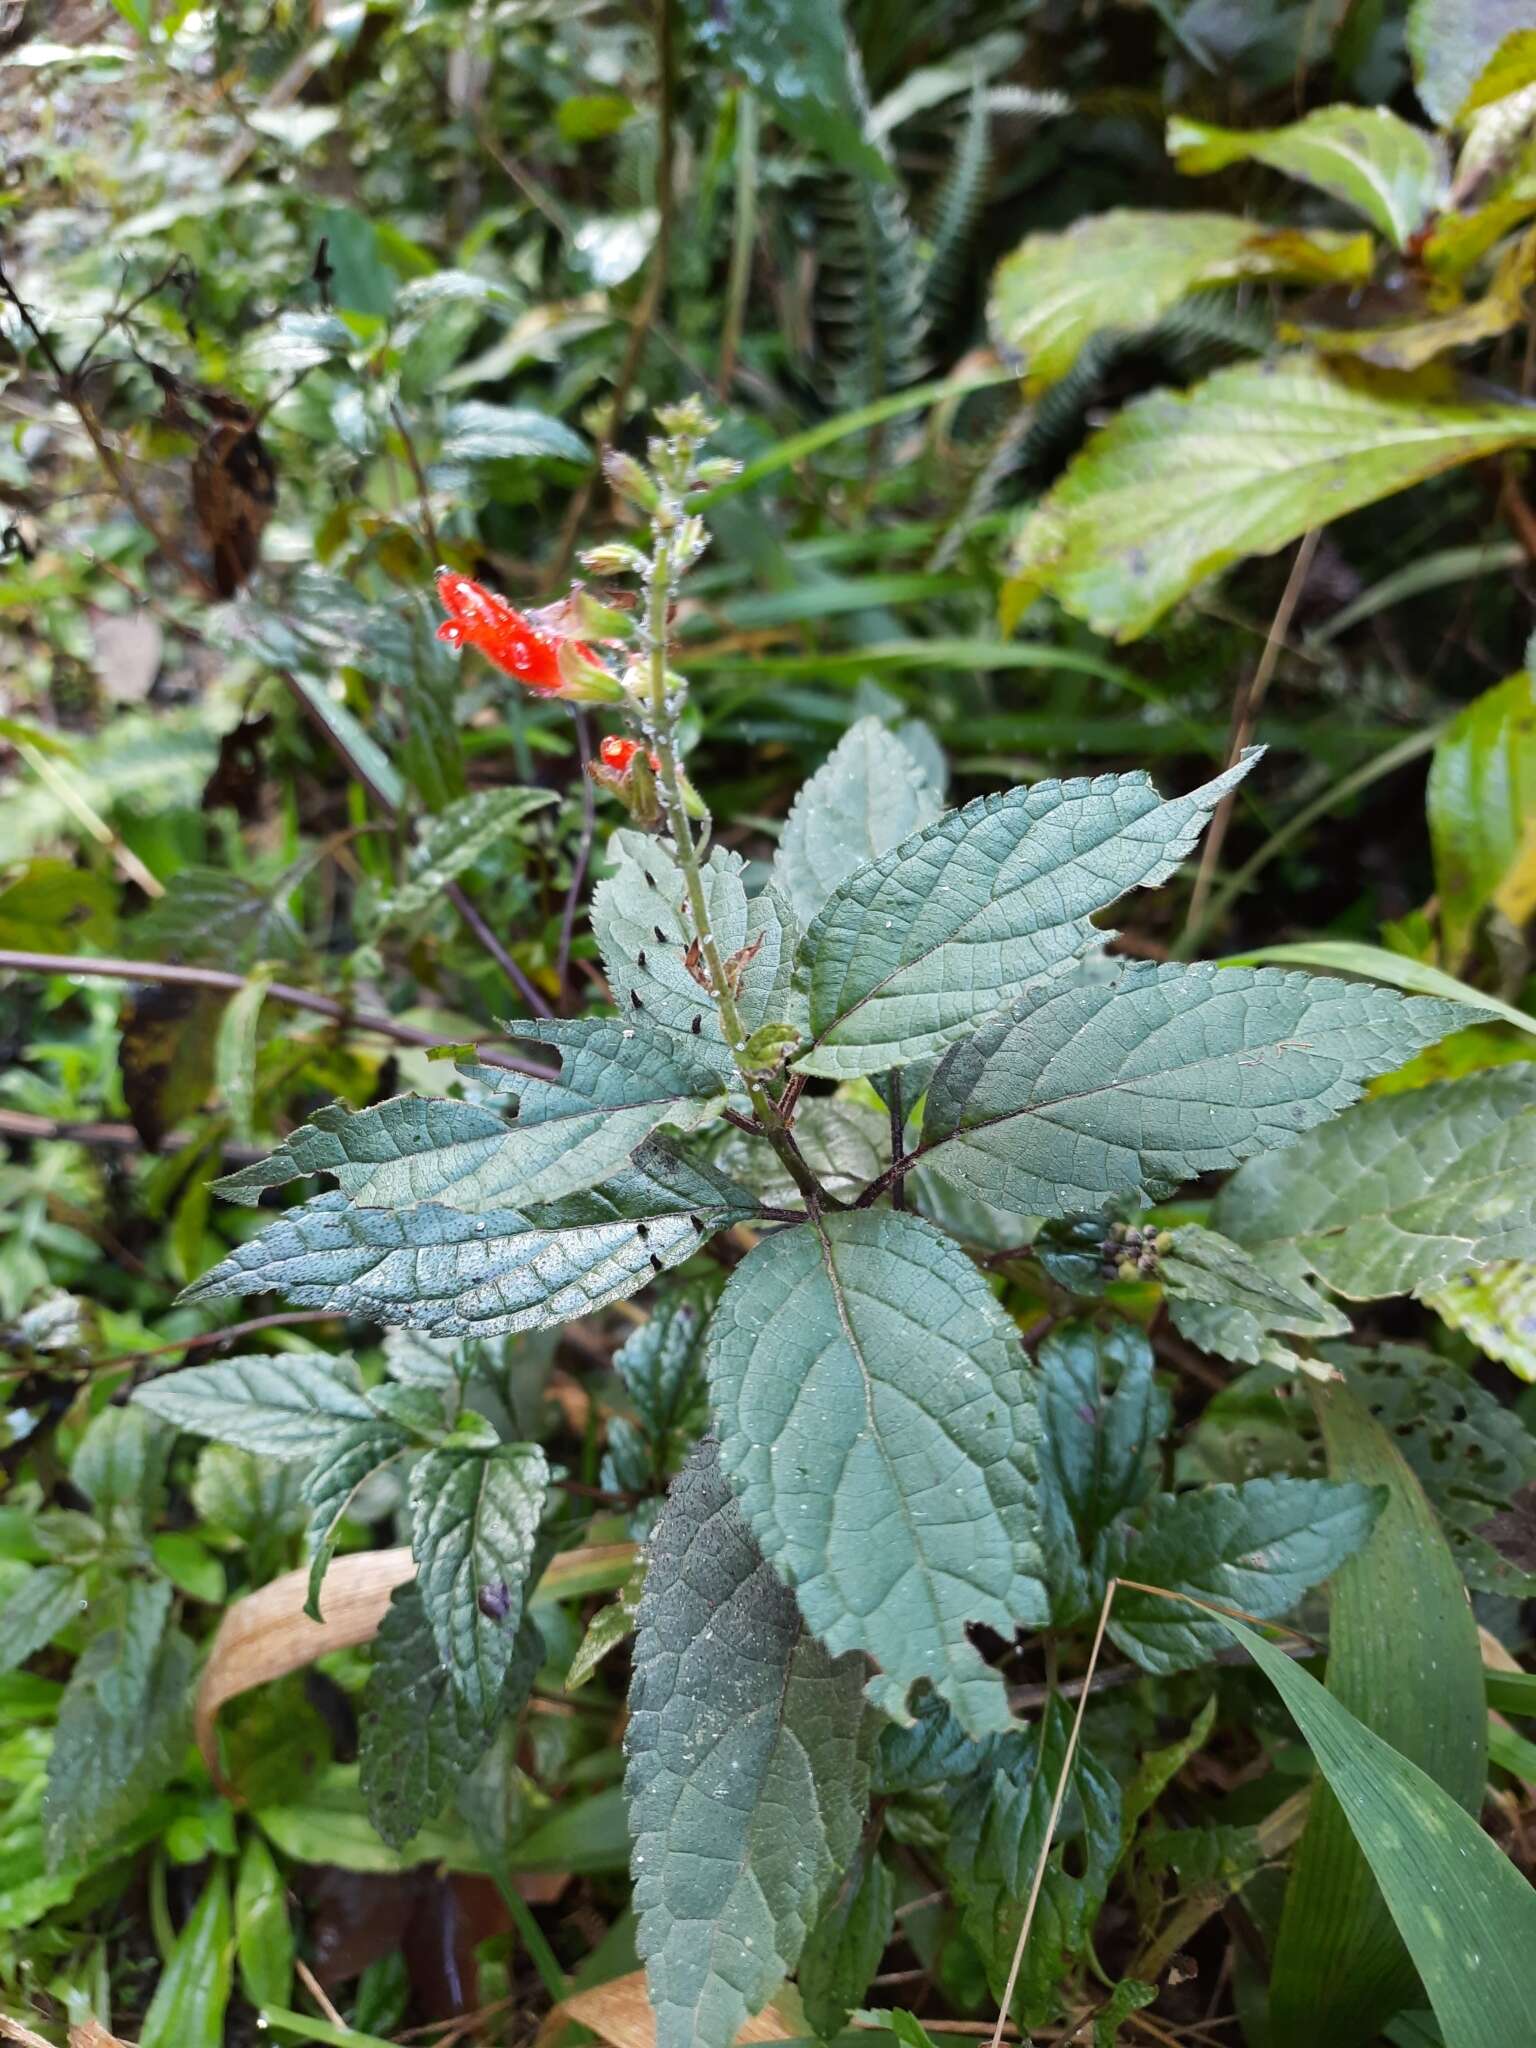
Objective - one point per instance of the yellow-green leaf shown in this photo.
(1450, 43)
(1494, 1306)
(1406, 343)
(1124, 270)
(1368, 158)
(1482, 812)
(1179, 485)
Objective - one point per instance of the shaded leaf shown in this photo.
(1102, 1417)
(1466, 1914)
(264, 1936)
(1256, 1547)
(844, 1948)
(1122, 271)
(456, 838)
(45, 1600)
(165, 1054)
(284, 1406)
(915, 948)
(1178, 485)
(863, 1379)
(1403, 1657)
(1134, 1085)
(123, 1726)
(746, 1779)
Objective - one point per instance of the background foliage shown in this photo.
(1115, 386)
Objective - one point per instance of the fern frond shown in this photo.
(955, 207)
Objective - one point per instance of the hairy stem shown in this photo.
(664, 735)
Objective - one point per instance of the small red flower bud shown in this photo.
(516, 644)
(617, 754)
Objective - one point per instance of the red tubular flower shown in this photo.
(617, 754)
(517, 644)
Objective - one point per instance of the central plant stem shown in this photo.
(664, 732)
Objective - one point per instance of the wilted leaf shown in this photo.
(747, 1779)
(916, 947)
(1180, 484)
(165, 1053)
(863, 1378)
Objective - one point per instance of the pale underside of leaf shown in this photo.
(916, 947)
(747, 1775)
(453, 1275)
(617, 1085)
(876, 1421)
(1138, 1084)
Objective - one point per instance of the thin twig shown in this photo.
(1055, 1815)
(898, 1136)
(743, 236)
(106, 454)
(649, 303)
(248, 1328)
(21, 1123)
(317, 1992)
(176, 976)
(423, 496)
(583, 850)
(1245, 712)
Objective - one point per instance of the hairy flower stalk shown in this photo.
(679, 538)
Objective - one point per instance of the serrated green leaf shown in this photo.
(638, 918)
(1256, 1547)
(456, 838)
(1495, 1307)
(865, 798)
(1080, 1096)
(1123, 270)
(1481, 801)
(864, 1378)
(452, 1275)
(264, 1937)
(1400, 1193)
(417, 1734)
(915, 948)
(998, 1833)
(474, 1516)
(747, 1777)
(1179, 485)
(662, 1362)
(1397, 970)
(843, 1949)
(609, 1627)
(46, 1600)
(1466, 1914)
(617, 1084)
(123, 1726)
(1128, 1996)
(187, 2010)
(1403, 1657)
(1451, 41)
(286, 1406)
(1390, 172)
(1243, 1305)
(1102, 1417)
(348, 1457)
